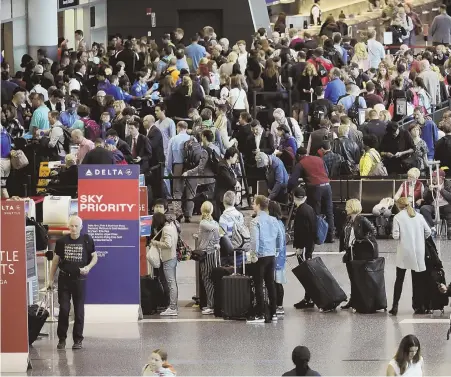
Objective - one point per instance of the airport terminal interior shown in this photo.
(341, 343)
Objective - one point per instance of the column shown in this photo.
(43, 27)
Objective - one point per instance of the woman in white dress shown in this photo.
(408, 360)
(411, 229)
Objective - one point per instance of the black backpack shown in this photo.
(285, 73)
(319, 113)
(67, 139)
(192, 153)
(213, 160)
(322, 71)
(353, 112)
(41, 233)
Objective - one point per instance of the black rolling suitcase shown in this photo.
(236, 294)
(152, 295)
(368, 285)
(37, 315)
(216, 276)
(435, 300)
(319, 284)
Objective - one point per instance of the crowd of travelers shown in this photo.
(181, 110)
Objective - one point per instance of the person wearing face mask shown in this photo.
(396, 145)
(429, 131)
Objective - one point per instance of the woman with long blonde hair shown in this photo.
(208, 240)
(361, 56)
(307, 83)
(411, 230)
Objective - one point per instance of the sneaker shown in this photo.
(290, 254)
(208, 311)
(61, 345)
(256, 320)
(169, 311)
(304, 304)
(187, 220)
(280, 311)
(274, 318)
(77, 345)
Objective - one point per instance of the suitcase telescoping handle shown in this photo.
(243, 260)
(44, 303)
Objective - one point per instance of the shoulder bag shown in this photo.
(153, 253)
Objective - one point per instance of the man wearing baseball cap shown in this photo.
(438, 194)
(276, 176)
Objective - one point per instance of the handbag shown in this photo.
(153, 253)
(183, 250)
(431, 257)
(18, 159)
(198, 255)
(364, 249)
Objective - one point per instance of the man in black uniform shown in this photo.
(75, 255)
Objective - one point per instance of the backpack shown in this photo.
(213, 160)
(285, 73)
(322, 71)
(379, 170)
(192, 151)
(92, 129)
(241, 236)
(319, 113)
(67, 138)
(353, 112)
(41, 233)
(322, 228)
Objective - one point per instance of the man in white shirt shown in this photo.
(80, 43)
(242, 55)
(291, 123)
(56, 134)
(76, 82)
(376, 51)
(37, 88)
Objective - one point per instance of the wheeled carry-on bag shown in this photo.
(236, 294)
(217, 275)
(368, 285)
(37, 315)
(319, 284)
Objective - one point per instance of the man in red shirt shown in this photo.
(314, 172)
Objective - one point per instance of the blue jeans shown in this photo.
(169, 282)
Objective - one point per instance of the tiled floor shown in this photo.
(341, 343)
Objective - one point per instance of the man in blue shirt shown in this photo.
(335, 88)
(140, 88)
(40, 118)
(174, 164)
(429, 131)
(68, 117)
(266, 242)
(116, 91)
(195, 52)
(276, 176)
